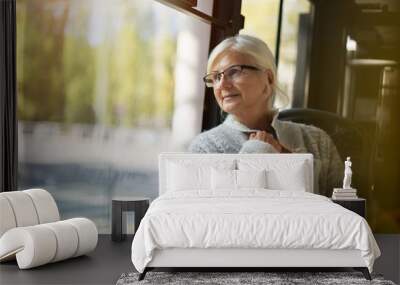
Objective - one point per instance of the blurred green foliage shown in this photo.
(261, 19)
(123, 78)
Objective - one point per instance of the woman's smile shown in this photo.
(230, 96)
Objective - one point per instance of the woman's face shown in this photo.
(249, 92)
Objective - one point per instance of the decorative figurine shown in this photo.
(347, 174)
(347, 192)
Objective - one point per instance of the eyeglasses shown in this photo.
(232, 73)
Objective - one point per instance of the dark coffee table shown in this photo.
(121, 204)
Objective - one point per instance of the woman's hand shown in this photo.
(266, 137)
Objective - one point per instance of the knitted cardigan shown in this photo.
(232, 137)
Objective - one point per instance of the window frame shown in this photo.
(8, 98)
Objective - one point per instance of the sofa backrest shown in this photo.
(26, 208)
(284, 171)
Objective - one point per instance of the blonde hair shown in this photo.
(251, 46)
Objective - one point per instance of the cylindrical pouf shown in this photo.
(67, 239)
(7, 218)
(34, 245)
(52, 242)
(46, 207)
(87, 234)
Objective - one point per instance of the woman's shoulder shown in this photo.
(211, 133)
(300, 135)
(208, 141)
(306, 130)
(315, 139)
(219, 139)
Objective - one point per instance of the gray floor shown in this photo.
(389, 262)
(103, 266)
(110, 260)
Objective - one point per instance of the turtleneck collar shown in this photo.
(232, 122)
(286, 133)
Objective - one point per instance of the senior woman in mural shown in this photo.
(242, 72)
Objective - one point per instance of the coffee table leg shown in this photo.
(116, 225)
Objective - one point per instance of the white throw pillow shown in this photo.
(190, 171)
(183, 177)
(226, 179)
(293, 179)
(251, 178)
(193, 174)
(223, 179)
(281, 174)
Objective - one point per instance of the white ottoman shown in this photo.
(31, 232)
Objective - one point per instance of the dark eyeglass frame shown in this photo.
(218, 74)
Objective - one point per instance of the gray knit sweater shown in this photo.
(232, 137)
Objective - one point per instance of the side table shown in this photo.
(123, 204)
(356, 205)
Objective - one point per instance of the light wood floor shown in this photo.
(111, 259)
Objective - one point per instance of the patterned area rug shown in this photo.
(243, 278)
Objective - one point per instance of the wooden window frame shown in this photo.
(226, 21)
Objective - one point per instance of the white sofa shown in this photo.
(31, 231)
